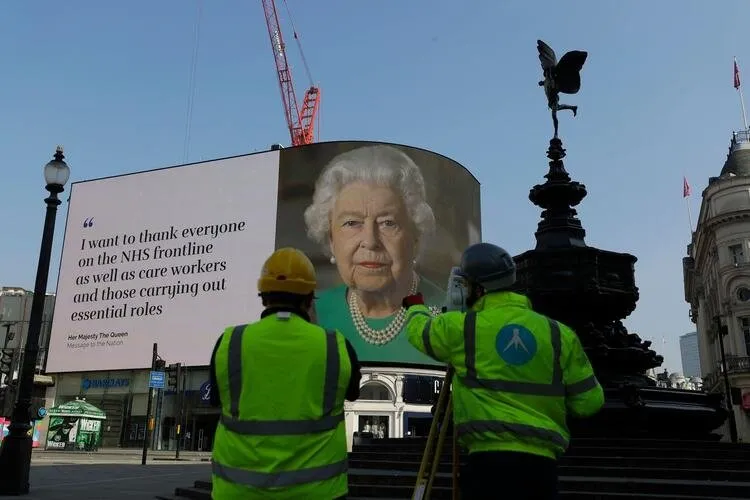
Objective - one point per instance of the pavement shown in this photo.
(116, 455)
(112, 474)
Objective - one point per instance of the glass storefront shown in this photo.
(123, 397)
(417, 425)
(199, 419)
(390, 406)
(118, 394)
(377, 425)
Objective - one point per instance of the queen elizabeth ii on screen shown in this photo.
(370, 214)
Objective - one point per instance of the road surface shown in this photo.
(117, 475)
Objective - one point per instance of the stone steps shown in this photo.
(402, 461)
(584, 442)
(603, 469)
(613, 470)
(202, 491)
(368, 483)
(732, 452)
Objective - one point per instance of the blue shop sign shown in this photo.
(205, 391)
(104, 383)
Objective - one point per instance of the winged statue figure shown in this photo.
(562, 76)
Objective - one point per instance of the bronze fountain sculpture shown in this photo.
(594, 290)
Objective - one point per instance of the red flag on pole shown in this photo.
(685, 187)
(736, 75)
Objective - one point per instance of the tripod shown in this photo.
(456, 295)
(435, 443)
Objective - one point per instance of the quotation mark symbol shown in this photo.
(88, 222)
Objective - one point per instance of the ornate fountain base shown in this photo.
(654, 413)
(592, 291)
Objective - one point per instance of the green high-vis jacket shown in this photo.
(517, 373)
(282, 383)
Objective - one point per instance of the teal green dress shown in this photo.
(332, 311)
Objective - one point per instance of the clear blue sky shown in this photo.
(109, 81)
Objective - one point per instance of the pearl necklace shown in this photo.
(387, 334)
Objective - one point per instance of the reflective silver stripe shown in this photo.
(276, 479)
(327, 421)
(584, 385)
(515, 387)
(524, 430)
(235, 369)
(555, 338)
(470, 344)
(333, 367)
(282, 427)
(554, 388)
(426, 340)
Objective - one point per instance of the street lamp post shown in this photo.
(15, 452)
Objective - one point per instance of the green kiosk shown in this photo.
(75, 425)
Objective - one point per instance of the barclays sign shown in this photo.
(104, 383)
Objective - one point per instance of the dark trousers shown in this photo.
(492, 475)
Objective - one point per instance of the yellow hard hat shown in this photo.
(287, 270)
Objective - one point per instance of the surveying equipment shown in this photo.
(456, 295)
(458, 291)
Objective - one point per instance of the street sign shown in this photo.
(157, 380)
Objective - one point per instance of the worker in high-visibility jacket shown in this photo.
(517, 376)
(281, 383)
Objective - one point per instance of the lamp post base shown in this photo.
(15, 462)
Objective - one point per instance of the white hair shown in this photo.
(382, 165)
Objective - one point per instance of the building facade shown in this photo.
(123, 396)
(394, 402)
(15, 312)
(690, 354)
(717, 281)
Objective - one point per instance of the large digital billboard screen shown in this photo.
(172, 256)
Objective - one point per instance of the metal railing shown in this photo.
(735, 365)
(738, 364)
(739, 137)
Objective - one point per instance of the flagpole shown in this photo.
(686, 192)
(739, 91)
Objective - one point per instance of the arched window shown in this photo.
(375, 391)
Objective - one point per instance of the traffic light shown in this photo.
(6, 362)
(173, 376)
(7, 400)
(159, 365)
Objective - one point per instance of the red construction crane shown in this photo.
(301, 122)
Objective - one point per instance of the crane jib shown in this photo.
(300, 119)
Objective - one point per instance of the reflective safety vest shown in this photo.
(282, 383)
(518, 373)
